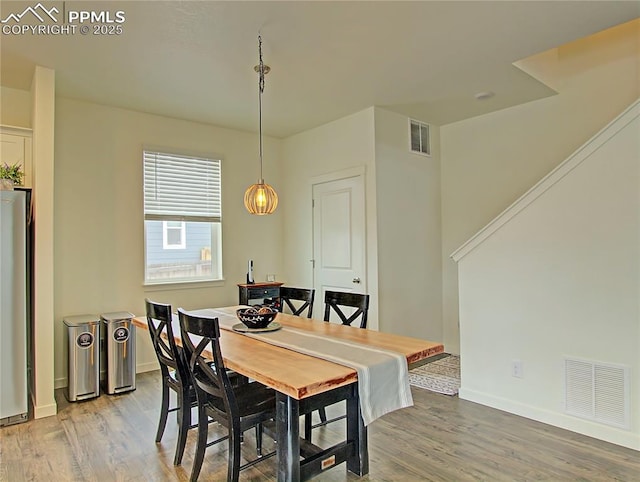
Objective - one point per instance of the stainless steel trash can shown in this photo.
(119, 335)
(83, 337)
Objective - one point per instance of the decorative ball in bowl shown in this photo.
(256, 316)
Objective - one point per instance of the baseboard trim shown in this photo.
(43, 411)
(591, 429)
(147, 367)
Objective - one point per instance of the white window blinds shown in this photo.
(181, 188)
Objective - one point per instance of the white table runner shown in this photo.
(383, 375)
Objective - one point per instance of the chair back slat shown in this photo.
(306, 296)
(210, 378)
(162, 338)
(334, 300)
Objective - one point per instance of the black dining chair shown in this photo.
(297, 300)
(238, 408)
(175, 374)
(337, 302)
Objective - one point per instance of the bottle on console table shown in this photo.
(250, 280)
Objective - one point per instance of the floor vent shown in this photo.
(598, 392)
(420, 137)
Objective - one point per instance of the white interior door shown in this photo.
(338, 238)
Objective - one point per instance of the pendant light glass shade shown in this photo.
(260, 198)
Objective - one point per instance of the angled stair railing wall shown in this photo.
(556, 277)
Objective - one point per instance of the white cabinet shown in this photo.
(15, 147)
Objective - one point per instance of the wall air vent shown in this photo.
(598, 392)
(420, 136)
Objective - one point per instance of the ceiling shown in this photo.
(194, 59)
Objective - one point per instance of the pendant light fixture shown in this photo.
(260, 198)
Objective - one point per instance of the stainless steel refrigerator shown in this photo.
(15, 305)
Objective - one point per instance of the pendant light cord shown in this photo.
(260, 91)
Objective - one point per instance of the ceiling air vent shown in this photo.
(420, 137)
(597, 391)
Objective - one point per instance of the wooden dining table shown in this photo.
(305, 383)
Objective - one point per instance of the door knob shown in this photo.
(356, 280)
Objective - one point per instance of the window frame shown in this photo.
(207, 209)
(165, 235)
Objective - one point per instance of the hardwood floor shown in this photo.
(441, 438)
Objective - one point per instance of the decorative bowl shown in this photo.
(256, 316)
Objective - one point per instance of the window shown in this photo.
(173, 235)
(182, 218)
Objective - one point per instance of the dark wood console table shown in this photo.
(258, 291)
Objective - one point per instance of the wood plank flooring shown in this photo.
(441, 438)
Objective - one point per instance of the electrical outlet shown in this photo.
(516, 369)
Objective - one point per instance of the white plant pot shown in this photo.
(6, 185)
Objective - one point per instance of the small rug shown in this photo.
(441, 376)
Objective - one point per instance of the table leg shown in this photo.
(288, 438)
(356, 431)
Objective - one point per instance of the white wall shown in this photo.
(489, 161)
(99, 214)
(403, 241)
(409, 248)
(15, 107)
(338, 145)
(560, 278)
(43, 114)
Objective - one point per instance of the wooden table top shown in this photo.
(299, 375)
